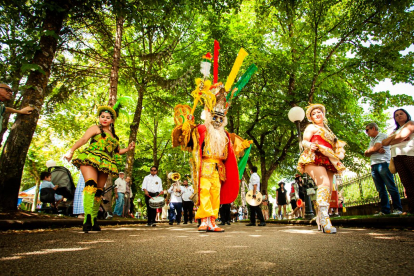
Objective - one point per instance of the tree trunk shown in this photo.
(133, 134)
(36, 195)
(265, 182)
(113, 85)
(155, 144)
(16, 147)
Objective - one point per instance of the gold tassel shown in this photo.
(236, 67)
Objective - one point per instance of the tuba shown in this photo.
(176, 177)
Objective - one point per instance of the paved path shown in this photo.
(181, 250)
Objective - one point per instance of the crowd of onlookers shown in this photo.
(389, 155)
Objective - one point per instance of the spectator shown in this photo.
(165, 208)
(240, 213)
(128, 196)
(402, 152)
(188, 204)
(78, 199)
(233, 213)
(6, 94)
(176, 203)
(265, 205)
(302, 192)
(294, 195)
(384, 180)
(46, 178)
(281, 200)
(120, 189)
(152, 186)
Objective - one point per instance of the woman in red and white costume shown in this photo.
(321, 160)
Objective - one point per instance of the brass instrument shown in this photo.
(254, 201)
(175, 177)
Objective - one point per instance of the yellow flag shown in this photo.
(236, 67)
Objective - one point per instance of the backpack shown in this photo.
(63, 178)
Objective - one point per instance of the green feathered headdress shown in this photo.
(122, 101)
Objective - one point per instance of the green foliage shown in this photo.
(330, 52)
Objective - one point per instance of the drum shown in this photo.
(157, 202)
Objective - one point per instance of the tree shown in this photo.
(302, 49)
(18, 142)
(19, 42)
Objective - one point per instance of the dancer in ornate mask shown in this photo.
(321, 160)
(97, 161)
(214, 167)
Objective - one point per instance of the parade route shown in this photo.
(182, 250)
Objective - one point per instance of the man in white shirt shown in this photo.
(120, 188)
(176, 203)
(254, 184)
(152, 187)
(188, 204)
(384, 180)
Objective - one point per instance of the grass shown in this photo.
(372, 216)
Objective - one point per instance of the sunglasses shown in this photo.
(153, 170)
(8, 90)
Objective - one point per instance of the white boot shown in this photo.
(318, 221)
(325, 220)
(323, 202)
(212, 227)
(204, 224)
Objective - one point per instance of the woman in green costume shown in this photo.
(97, 161)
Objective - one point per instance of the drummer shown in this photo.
(254, 184)
(152, 187)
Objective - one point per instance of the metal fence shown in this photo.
(361, 190)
